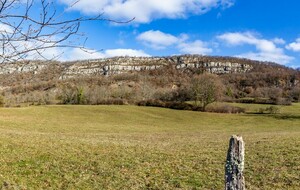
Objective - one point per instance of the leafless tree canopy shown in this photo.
(206, 88)
(30, 27)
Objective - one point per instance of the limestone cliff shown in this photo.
(117, 65)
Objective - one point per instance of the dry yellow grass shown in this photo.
(129, 147)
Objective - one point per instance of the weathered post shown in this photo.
(234, 167)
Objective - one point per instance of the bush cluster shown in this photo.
(226, 109)
(171, 105)
(269, 110)
(276, 101)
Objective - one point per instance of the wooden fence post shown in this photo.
(234, 167)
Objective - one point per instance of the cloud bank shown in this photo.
(160, 40)
(144, 11)
(294, 46)
(78, 54)
(266, 50)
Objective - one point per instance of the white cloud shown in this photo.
(79, 54)
(160, 40)
(248, 38)
(279, 41)
(265, 56)
(125, 52)
(237, 38)
(5, 29)
(157, 39)
(295, 46)
(267, 50)
(145, 11)
(196, 47)
(72, 54)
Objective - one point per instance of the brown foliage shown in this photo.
(267, 83)
(206, 89)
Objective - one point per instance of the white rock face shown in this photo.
(117, 65)
(21, 67)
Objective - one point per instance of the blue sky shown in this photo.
(267, 30)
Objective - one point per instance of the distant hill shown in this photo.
(131, 79)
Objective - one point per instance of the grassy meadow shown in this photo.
(131, 147)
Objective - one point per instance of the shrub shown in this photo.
(269, 110)
(261, 110)
(283, 101)
(112, 102)
(295, 94)
(225, 109)
(80, 98)
(126, 77)
(153, 103)
(277, 101)
(273, 109)
(72, 95)
(263, 101)
(179, 106)
(2, 101)
(170, 105)
(163, 95)
(182, 94)
(246, 100)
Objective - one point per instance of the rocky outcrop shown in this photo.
(22, 67)
(117, 65)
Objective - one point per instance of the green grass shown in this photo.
(129, 147)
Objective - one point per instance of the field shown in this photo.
(130, 147)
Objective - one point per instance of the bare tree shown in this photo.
(30, 27)
(206, 88)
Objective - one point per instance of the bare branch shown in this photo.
(23, 33)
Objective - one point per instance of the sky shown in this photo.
(265, 30)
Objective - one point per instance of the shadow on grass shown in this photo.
(285, 116)
(277, 116)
